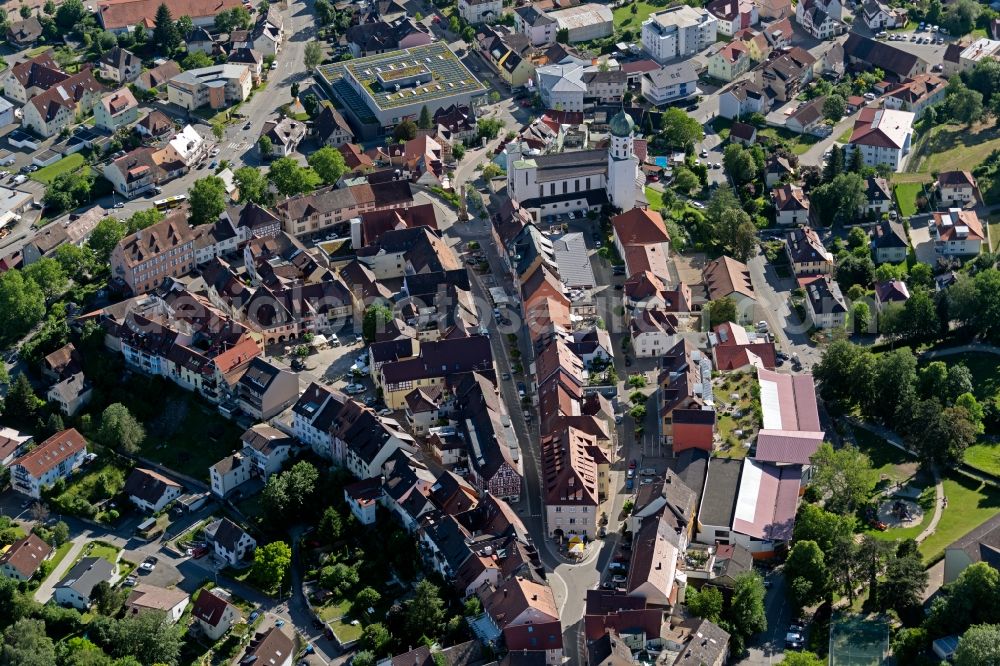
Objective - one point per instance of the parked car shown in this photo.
(354, 389)
(794, 641)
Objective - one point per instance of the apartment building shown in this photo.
(146, 258)
(55, 458)
(217, 87)
(678, 32)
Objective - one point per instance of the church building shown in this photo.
(577, 182)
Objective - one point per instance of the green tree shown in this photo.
(843, 476)
(289, 178)
(806, 573)
(196, 60)
(489, 128)
(165, 30)
(143, 219)
(21, 400)
(861, 316)
(207, 199)
(405, 131)
(802, 659)
(858, 238)
(330, 526)
(968, 402)
(313, 55)
(270, 564)
(265, 146)
(376, 318)
(979, 645)
(367, 598)
(25, 644)
(458, 151)
(972, 599)
(964, 104)
(120, 430)
(845, 374)
(105, 237)
(825, 528)
(22, 303)
(736, 233)
(960, 16)
(905, 580)
(363, 658)
(425, 122)
(376, 637)
(746, 615)
(106, 599)
(74, 260)
(685, 180)
(339, 578)
(721, 310)
(59, 534)
(939, 436)
(184, 26)
(150, 638)
(48, 275)
(896, 369)
(252, 185)
(706, 603)
(834, 107)
(840, 200)
(679, 130)
(834, 164)
(328, 163)
(70, 15)
(740, 164)
(424, 613)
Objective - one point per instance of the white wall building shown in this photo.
(678, 32)
(883, 136)
(55, 458)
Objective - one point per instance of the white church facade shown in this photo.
(581, 181)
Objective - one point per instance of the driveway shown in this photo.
(920, 235)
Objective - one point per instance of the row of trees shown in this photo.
(934, 409)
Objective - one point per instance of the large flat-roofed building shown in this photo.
(678, 32)
(380, 91)
(584, 22)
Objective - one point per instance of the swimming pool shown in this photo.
(660, 161)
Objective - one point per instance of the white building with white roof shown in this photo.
(187, 146)
(678, 32)
(12, 204)
(585, 22)
(977, 51)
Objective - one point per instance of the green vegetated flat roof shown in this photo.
(449, 75)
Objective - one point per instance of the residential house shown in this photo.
(825, 305)
(656, 546)
(228, 474)
(56, 108)
(743, 133)
(157, 76)
(435, 362)
(71, 393)
(230, 542)
(495, 465)
(25, 32)
(701, 641)
(322, 209)
(217, 87)
(480, 11)
(785, 74)
(365, 39)
(733, 15)
(741, 100)
(823, 19)
(669, 83)
(312, 416)
(686, 403)
(890, 242)
(879, 16)
(777, 169)
(284, 134)
(213, 614)
(74, 228)
(756, 43)
(144, 598)
(149, 490)
(265, 36)
(32, 76)
(536, 25)
(200, 40)
(248, 58)
(729, 62)
(265, 449)
(775, 9)
(958, 232)
(56, 458)
(330, 128)
(791, 205)
(652, 332)
(806, 252)
(265, 390)
(736, 349)
(678, 32)
(727, 278)
(154, 125)
(809, 119)
(890, 291)
(525, 614)
(12, 445)
(641, 238)
(24, 557)
(273, 647)
(879, 196)
(146, 258)
(119, 65)
(917, 94)
(363, 498)
(570, 484)
(78, 584)
(779, 33)
(116, 110)
(979, 545)
(957, 188)
(508, 52)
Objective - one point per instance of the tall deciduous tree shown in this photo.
(979, 645)
(207, 198)
(271, 563)
(746, 615)
(289, 178)
(843, 476)
(105, 237)
(22, 303)
(376, 318)
(26, 644)
(806, 573)
(328, 164)
(425, 611)
(313, 55)
(252, 185)
(706, 603)
(120, 430)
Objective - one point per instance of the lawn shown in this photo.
(189, 437)
(994, 230)
(891, 464)
(101, 481)
(846, 136)
(626, 20)
(953, 147)
(99, 549)
(60, 555)
(68, 164)
(984, 456)
(926, 502)
(799, 143)
(970, 504)
(906, 197)
(335, 610)
(655, 198)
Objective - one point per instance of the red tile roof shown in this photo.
(57, 448)
(26, 555)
